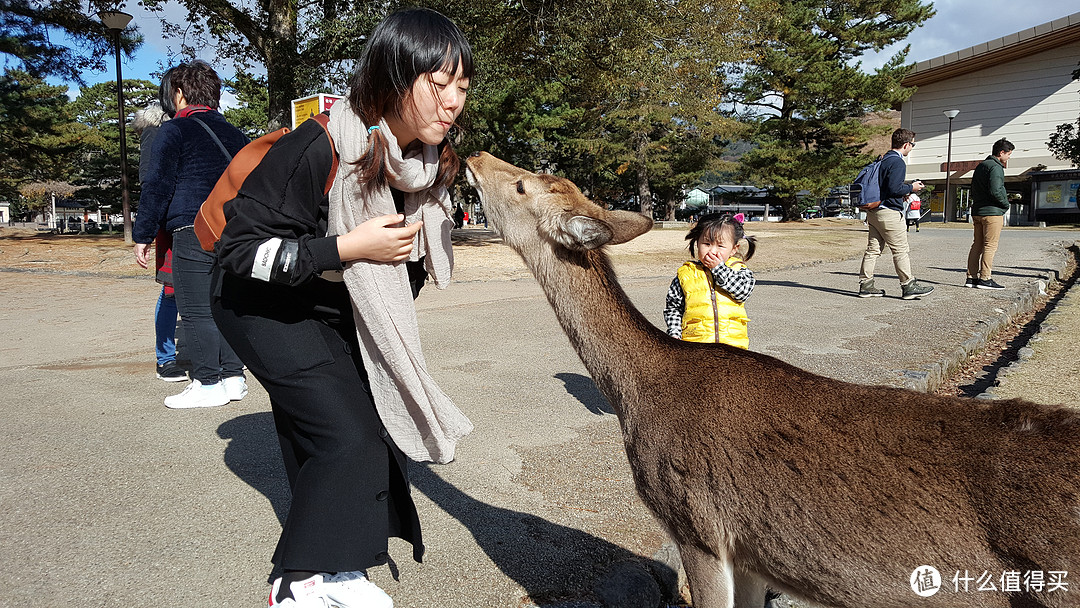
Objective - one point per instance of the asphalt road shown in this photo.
(109, 499)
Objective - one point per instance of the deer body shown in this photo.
(764, 473)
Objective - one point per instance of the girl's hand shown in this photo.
(378, 240)
(711, 260)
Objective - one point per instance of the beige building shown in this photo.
(1019, 87)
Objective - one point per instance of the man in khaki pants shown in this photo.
(887, 226)
(989, 202)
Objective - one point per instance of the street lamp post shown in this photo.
(116, 21)
(950, 114)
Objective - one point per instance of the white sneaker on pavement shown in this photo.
(235, 387)
(341, 590)
(198, 395)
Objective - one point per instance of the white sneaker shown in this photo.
(235, 387)
(341, 590)
(197, 395)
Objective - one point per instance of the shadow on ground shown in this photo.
(583, 388)
(253, 455)
(550, 561)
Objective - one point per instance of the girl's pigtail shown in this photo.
(751, 245)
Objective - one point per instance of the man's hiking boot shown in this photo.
(913, 290)
(867, 290)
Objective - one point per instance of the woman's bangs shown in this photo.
(456, 55)
(442, 51)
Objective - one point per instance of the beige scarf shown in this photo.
(421, 419)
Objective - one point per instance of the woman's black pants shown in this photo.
(349, 481)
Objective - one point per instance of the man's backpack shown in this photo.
(210, 221)
(865, 192)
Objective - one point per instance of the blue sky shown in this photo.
(154, 54)
(958, 24)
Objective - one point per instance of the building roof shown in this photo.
(736, 189)
(988, 54)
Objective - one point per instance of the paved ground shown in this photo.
(109, 499)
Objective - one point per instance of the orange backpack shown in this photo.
(210, 221)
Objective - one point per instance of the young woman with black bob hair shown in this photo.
(315, 294)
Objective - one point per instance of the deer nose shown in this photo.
(475, 154)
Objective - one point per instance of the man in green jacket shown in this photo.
(989, 202)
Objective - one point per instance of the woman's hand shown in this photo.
(142, 254)
(378, 240)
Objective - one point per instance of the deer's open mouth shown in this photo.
(471, 177)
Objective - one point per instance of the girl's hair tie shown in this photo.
(739, 218)
(370, 129)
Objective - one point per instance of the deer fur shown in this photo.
(766, 474)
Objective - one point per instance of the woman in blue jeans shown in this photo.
(187, 156)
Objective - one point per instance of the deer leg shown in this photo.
(749, 590)
(711, 578)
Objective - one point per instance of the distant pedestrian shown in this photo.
(705, 300)
(914, 211)
(886, 220)
(189, 154)
(146, 123)
(989, 202)
(459, 216)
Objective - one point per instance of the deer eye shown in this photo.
(520, 187)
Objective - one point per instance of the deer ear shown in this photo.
(627, 225)
(588, 232)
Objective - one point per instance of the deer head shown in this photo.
(530, 209)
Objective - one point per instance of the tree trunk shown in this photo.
(282, 61)
(670, 206)
(281, 91)
(791, 210)
(643, 191)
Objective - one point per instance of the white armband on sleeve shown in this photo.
(264, 259)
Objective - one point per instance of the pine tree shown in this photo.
(28, 35)
(805, 94)
(251, 116)
(40, 139)
(99, 169)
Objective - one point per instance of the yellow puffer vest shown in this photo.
(711, 315)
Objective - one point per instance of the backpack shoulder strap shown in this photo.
(214, 136)
(323, 119)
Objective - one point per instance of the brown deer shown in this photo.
(766, 474)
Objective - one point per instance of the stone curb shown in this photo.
(1027, 352)
(930, 377)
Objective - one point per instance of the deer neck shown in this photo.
(612, 338)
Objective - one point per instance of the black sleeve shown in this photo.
(275, 228)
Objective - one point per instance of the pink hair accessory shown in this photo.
(739, 217)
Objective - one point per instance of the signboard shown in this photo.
(960, 166)
(306, 107)
(1057, 195)
(937, 202)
